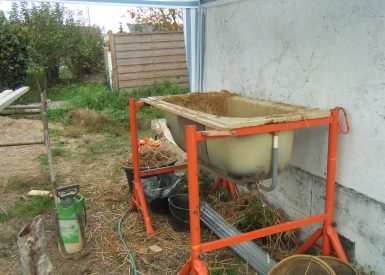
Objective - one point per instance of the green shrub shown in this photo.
(13, 55)
(65, 74)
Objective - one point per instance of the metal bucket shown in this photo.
(180, 215)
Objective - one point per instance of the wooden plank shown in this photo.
(143, 38)
(4, 93)
(182, 85)
(11, 97)
(20, 106)
(7, 111)
(139, 83)
(150, 60)
(181, 111)
(22, 143)
(147, 33)
(212, 133)
(153, 74)
(152, 67)
(147, 53)
(149, 46)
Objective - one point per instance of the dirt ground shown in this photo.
(14, 158)
(93, 161)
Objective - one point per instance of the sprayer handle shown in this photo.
(67, 191)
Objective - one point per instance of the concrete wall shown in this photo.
(319, 54)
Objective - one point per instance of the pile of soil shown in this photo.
(214, 103)
(150, 156)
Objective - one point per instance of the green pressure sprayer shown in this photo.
(71, 218)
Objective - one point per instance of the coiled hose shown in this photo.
(124, 244)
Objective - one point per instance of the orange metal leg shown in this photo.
(337, 244)
(196, 266)
(133, 206)
(216, 185)
(310, 242)
(233, 190)
(328, 233)
(227, 185)
(138, 194)
(186, 268)
(330, 181)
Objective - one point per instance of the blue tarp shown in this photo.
(148, 3)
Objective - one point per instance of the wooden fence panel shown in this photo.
(141, 59)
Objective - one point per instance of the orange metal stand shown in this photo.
(138, 199)
(195, 264)
(329, 236)
(227, 185)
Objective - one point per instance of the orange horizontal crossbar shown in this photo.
(162, 170)
(209, 246)
(268, 128)
(139, 104)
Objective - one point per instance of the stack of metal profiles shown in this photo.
(249, 251)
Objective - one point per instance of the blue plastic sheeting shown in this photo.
(146, 3)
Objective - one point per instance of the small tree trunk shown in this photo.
(31, 242)
(53, 75)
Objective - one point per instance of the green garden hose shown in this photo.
(124, 244)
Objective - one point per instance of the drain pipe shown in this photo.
(275, 167)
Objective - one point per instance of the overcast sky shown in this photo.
(105, 16)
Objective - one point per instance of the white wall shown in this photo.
(319, 54)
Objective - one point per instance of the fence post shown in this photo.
(115, 82)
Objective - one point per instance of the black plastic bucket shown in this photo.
(160, 206)
(179, 208)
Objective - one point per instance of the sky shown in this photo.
(105, 16)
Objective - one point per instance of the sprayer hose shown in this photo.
(124, 244)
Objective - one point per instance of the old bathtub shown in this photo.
(247, 158)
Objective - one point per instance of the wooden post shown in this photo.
(46, 139)
(44, 114)
(115, 82)
(31, 242)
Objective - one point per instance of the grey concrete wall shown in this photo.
(319, 54)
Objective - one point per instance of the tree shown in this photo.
(57, 37)
(155, 19)
(13, 55)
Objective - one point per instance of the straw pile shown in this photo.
(150, 156)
